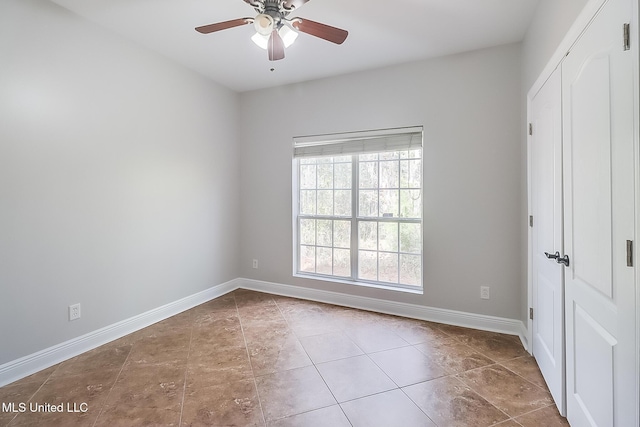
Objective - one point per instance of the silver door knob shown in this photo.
(554, 256)
(559, 259)
(564, 260)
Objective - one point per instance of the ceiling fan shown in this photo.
(272, 26)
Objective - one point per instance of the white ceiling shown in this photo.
(381, 33)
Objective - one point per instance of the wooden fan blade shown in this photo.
(275, 46)
(206, 29)
(327, 32)
(294, 3)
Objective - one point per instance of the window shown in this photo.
(358, 207)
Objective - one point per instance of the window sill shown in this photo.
(374, 285)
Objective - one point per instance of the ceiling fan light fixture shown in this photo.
(287, 34)
(263, 24)
(260, 40)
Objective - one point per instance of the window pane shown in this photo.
(308, 259)
(411, 173)
(342, 262)
(342, 175)
(410, 204)
(324, 261)
(365, 157)
(307, 161)
(325, 202)
(389, 155)
(342, 234)
(388, 236)
(389, 203)
(307, 176)
(415, 154)
(324, 232)
(367, 265)
(325, 176)
(404, 173)
(307, 231)
(368, 174)
(388, 267)
(368, 235)
(368, 202)
(410, 238)
(308, 202)
(342, 200)
(342, 159)
(410, 269)
(415, 173)
(389, 174)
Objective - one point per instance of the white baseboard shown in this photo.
(25, 366)
(432, 314)
(524, 336)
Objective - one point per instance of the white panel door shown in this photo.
(598, 111)
(547, 236)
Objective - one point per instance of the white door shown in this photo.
(546, 236)
(598, 112)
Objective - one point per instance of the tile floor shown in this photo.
(252, 359)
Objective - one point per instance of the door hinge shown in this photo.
(531, 313)
(626, 31)
(530, 129)
(629, 253)
(530, 220)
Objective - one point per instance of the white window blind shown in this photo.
(358, 142)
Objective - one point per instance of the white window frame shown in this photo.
(352, 144)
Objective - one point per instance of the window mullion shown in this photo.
(377, 220)
(399, 214)
(298, 196)
(355, 185)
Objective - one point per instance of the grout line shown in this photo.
(186, 370)
(487, 400)
(536, 410)
(491, 402)
(37, 390)
(509, 419)
(314, 364)
(106, 398)
(416, 404)
(545, 389)
(253, 375)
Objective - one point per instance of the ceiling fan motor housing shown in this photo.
(274, 9)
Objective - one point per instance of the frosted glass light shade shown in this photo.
(288, 35)
(260, 40)
(263, 24)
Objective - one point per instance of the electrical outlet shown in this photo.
(74, 312)
(255, 263)
(484, 292)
